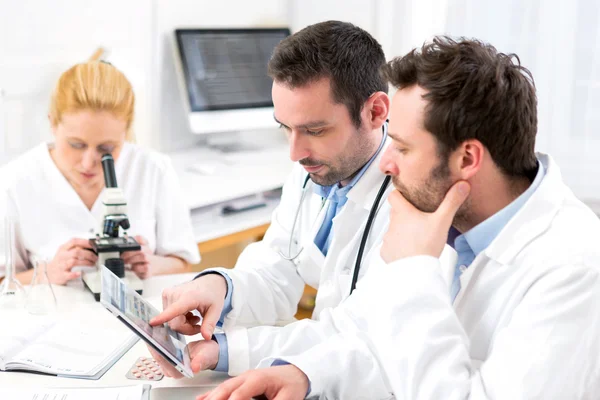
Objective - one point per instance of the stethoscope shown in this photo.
(365, 236)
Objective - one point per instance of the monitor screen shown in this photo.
(226, 69)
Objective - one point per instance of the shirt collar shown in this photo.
(335, 189)
(482, 235)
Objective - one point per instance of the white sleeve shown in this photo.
(548, 350)
(318, 347)
(247, 347)
(266, 287)
(174, 234)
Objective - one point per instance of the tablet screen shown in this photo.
(138, 312)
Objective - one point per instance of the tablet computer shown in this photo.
(135, 312)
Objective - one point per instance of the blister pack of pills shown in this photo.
(145, 369)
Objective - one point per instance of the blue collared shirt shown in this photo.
(478, 238)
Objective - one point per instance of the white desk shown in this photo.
(234, 177)
(115, 376)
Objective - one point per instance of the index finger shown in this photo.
(226, 389)
(174, 310)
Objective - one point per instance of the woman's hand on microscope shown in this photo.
(76, 252)
(140, 259)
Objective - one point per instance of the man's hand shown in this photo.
(76, 252)
(139, 259)
(205, 294)
(285, 382)
(204, 354)
(413, 232)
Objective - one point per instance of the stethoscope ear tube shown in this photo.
(365, 236)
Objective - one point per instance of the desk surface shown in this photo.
(229, 178)
(115, 376)
(233, 176)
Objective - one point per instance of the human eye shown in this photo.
(106, 149)
(285, 128)
(77, 145)
(314, 132)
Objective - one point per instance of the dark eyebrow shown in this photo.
(308, 125)
(397, 138)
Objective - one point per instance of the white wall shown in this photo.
(40, 39)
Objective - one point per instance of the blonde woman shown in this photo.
(55, 190)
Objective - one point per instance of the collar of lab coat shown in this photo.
(533, 218)
(365, 190)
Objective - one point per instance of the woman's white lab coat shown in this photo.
(49, 212)
(525, 325)
(267, 287)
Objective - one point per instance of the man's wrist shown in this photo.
(206, 273)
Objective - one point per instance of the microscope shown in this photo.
(108, 244)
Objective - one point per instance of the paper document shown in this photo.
(73, 345)
(138, 392)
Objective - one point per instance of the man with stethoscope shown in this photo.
(333, 106)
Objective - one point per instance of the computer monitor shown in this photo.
(223, 76)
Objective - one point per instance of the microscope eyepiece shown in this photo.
(108, 167)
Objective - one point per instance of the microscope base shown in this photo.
(94, 284)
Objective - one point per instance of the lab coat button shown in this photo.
(462, 268)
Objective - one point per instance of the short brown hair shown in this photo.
(474, 92)
(346, 54)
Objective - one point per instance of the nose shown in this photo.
(89, 160)
(387, 164)
(298, 146)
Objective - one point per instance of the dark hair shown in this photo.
(474, 92)
(346, 54)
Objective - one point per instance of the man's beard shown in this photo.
(345, 167)
(430, 194)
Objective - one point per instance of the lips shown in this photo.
(87, 176)
(312, 168)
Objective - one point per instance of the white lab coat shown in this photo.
(525, 325)
(49, 212)
(267, 288)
